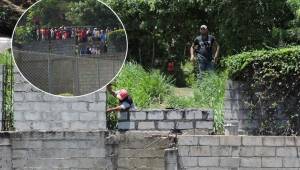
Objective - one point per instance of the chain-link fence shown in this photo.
(66, 74)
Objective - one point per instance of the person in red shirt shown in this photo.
(46, 33)
(171, 67)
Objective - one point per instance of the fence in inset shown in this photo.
(62, 74)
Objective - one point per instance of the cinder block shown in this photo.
(272, 162)
(252, 140)
(79, 125)
(264, 151)
(18, 115)
(32, 115)
(221, 150)
(189, 161)
(230, 162)
(137, 115)
(50, 98)
(40, 106)
(286, 151)
(155, 115)
(290, 141)
(69, 116)
(247, 151)
(204, 125)
(96, 107)
(174, 115)
(209, 140)
(165, 125)
(33, 96)
(146, 125)
(80, 106)
(49, 116)
(193, 114)
(183, 151)
(18, 97)
(22, 125)
(22, 106)
(184, 125)
(40, 125)
(273, 141)
(291, 162)
(187, 140)
(89, 116)
(200, 151)
(230, 140)
(253, 162)
(126, 125)
(297, 140)
(208, 161)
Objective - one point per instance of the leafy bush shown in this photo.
(23, 34)
(118, 39)
(274, 80)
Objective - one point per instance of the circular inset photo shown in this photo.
(69, 47)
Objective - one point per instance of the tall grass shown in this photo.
(147, 88)
(152, 89)
(208, 93)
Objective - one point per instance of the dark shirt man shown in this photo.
(206, 49)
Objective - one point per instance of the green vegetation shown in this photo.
(6, 59)
(274, 83)
(157, 25)
(118, 39)
(208, 93)
(147, 87)
(152, 89)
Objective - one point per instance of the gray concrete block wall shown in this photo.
(36, 110)
(237, 113)
(238, 152)
(53, 150)
(5, 152)
(166, 119)
(141, 150)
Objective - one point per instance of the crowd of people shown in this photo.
(80, 35)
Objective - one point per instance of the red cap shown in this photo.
(122, 94)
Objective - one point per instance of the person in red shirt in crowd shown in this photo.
(58, 35)
(46, 33)
(42, 33)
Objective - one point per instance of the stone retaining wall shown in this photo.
(238, 152)
(166, 119)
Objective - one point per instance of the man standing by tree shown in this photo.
(207, 50)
